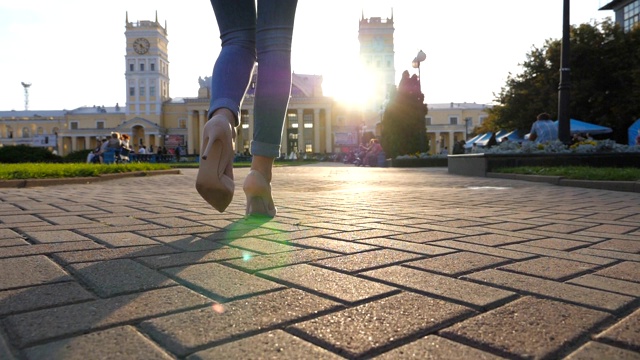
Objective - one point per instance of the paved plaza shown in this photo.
(360, 263)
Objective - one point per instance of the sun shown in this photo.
(350, 86)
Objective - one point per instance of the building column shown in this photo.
(202, 119)
(452, 138)
(284, 143)
(301, 131)
(328, 130)
(252, 124)
(316, 130)
(87, 142)
(438, 143)
(190, 132)
(60, 148)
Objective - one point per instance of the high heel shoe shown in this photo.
(215, 174)
(258, 192)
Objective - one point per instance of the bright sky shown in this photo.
(72, 51)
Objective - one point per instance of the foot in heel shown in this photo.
(215, 174)
(258, 192)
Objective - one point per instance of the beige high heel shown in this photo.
(258, 192)
(215, 174)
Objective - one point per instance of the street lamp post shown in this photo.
(416, 65)
(564, 127)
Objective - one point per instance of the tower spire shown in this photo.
(126, 20)
(156, 16)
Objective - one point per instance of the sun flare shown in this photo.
(352, 88)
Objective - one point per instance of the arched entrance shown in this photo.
(137, 134)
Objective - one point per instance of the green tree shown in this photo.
(403, 122)
(605, 81)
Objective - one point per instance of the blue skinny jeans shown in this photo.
(247, 38)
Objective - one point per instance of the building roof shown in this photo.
(96, 109)
(612, 5)
(459, 106)
(32, 113)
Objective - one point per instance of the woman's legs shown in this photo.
(232, 70)
(231, 75)
(273, 88)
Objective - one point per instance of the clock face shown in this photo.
(141, 45)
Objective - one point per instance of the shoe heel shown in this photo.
(259, 200)
(214, 181)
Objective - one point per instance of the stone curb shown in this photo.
(23, 183)
(626, 186)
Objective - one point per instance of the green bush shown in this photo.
(79, 156)
(27, 154)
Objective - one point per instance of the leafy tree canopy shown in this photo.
(604, 79)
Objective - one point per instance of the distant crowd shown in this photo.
(120, 145)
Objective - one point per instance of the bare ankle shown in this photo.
(227, 114)
(263, 165)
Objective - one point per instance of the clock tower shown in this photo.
(147, 68)
(377, 57)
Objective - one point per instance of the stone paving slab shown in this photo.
(360, 263)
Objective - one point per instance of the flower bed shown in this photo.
(587, 153)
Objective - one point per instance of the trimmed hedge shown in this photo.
(24, 153)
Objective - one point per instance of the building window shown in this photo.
(152, 91)
(244, 119)
(453, 120)
(308, 121)
(631, 15)
(428, 120)
(131, 68)
(468, 121)
(99, 124)
(182, 123)
(142, 91)
(141, 67)
(293, 120)
(25, 132)
(388, 63)
(73, 125)
(132, 91)
(152, 67)
(481, 119)
(308, 147)
(40, 131)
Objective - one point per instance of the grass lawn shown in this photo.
(45, 171)
(67, 170)
(577, 172)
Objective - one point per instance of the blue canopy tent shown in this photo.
(469, 143)
(512, 136)
(501, 133)
(634, 131)
(484, 139)
(581, 127)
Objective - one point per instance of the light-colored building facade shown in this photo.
(377, 57)
(314, 123)
(448, 123)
